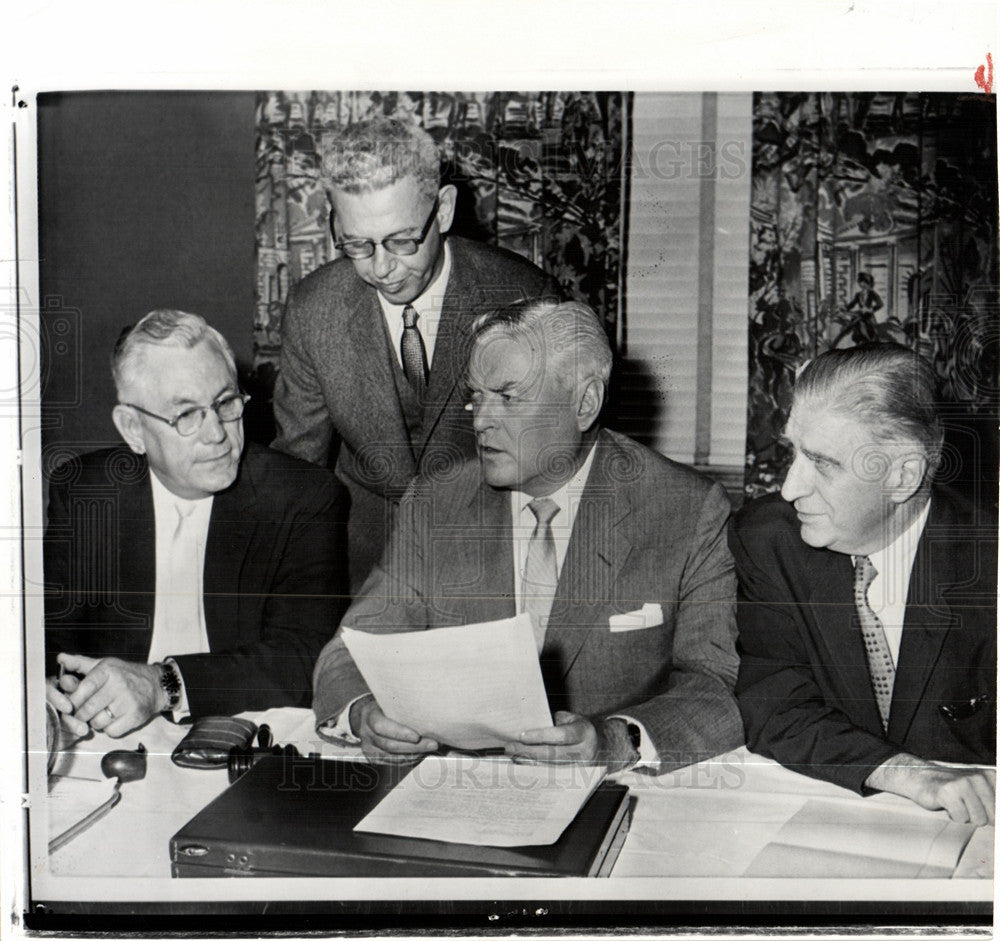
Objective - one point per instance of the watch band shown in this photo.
(170, 682)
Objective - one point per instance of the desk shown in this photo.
(709, 820)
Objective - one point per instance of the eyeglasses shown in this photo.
(191, 419)
(365, 248)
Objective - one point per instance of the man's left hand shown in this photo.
(573, 738)
(114, 696)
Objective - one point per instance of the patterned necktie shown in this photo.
(411, 348)
(880, 665)
(541, 573)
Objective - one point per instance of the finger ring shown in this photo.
(111, 715)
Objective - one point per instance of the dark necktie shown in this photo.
(541, 573)
(412, 351)
(880, 666)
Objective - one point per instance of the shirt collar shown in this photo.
(567, 497)
(898, 556)
(165, 500)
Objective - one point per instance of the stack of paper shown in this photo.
(484, 801)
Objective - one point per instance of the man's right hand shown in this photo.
(966, 792)
(383, 738)
(58, 698)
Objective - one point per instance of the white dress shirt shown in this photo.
(888, 590)
(428, 307)
(192, 635)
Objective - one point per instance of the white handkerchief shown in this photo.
(649, 615)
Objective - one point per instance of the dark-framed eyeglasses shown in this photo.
(190, 420)
(365, 248)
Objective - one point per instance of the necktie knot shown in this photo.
(412, 352)
(544, 509)
(864, 575)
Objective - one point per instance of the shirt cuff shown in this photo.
(340, 730)
(182, 710)
(648, 755)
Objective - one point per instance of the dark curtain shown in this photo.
(874, 216)
(538, 173)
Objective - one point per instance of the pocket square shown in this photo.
(649, 615)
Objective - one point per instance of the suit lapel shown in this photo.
(451, 345)
(598, 547)
(839, 630)
(137, 562)
(488, 585)
(928, 616)
(368, 357)
(231, 528)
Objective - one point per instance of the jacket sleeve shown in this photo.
(786, 715)
(695, 716)
(304, 427)
(392, 599)
(303, 603)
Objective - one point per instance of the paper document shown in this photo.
(484, 801)
(848, 840)
(474, 686)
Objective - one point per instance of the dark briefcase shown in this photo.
(294, 816)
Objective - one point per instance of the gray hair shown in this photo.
(888, 387)
(164, 328)
(374, 154)
(569, 332)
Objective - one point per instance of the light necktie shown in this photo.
(412, 352)
(541, 573)
(880, 665)
(184, 632)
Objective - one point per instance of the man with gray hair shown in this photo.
(617, 554)
(373, 343)
(185, 574)
(867, 606)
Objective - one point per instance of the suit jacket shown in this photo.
(804, 687)
(336, 383)
(274, 577)
(647, 530)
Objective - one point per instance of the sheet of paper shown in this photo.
(484, 801)
(827, 838)
(474, 686)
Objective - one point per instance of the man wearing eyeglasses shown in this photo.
(374, 343)
(187, 574)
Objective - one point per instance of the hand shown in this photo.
(967, 793)
(57, 697)
(575, 738)
(381, 737)
(114, 696)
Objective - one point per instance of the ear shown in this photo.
(907, 476)
(590, 405)
(447, 197)
(130, 428)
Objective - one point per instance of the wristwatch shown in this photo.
(170, 682)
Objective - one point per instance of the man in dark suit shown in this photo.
(186, 574)
(617, 553)
(374, 343)
(867, 606)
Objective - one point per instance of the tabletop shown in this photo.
(736, 815)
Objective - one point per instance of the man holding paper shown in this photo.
(617, 554)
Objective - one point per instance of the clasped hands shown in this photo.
(110, 695)
(572, 738)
